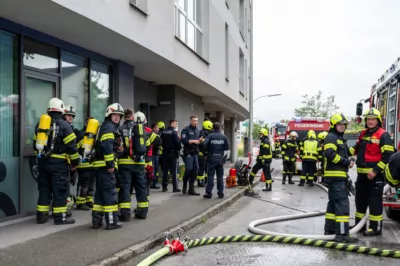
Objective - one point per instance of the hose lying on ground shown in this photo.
(270, 236)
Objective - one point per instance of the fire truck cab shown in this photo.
(302, 125)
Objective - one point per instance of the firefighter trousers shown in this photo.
(202, 172)
(85, 186)
(266, 167)
(369, 194)
(133, 174)
(105, 198)
(309, 169)
(338, 208)
(288, 170)
(53, 182)
(168, 164)
(215, 168)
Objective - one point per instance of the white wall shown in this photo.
(157, 33)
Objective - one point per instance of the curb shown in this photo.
(135, 250)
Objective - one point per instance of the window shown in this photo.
(241, 72)
(241, 17)
(139, 4)
(226, 52)
(189, 23)
(74, 86)
(100, 90)
(41, 56)
(9, 129)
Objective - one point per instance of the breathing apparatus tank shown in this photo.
(89, 138)
(43, 132)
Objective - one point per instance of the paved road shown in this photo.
(236, 219)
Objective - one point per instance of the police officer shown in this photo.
(171, 145)
(217, 152)
(132, 168)
(309, 152)
(190, 139)
(105, 197)
(53, 165)
(337, 165)
(373, 149)
(264, 160)
(289, 150)
(161, 126)
(156, 155)
(321, 138)
(207, 127)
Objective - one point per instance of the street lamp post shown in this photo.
(251, 118)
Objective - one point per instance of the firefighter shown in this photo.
(217, 152)
(309, 152)
(171, 145)
(337, 164)
(321, 138)
(190, 139)
(207, 127)
(392, 172)
(161, 126)
(131, 166)
(264, 160)
(373, 149)
(105, 197)
(289, 150)
(53, 166)
(277, 146)
(156, 155)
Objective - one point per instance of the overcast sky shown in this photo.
(340, 47)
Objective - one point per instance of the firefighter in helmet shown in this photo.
(321, 139)
(264, 160)
(202, 173)
(53, 166)
(156, 154)
(161, 126)
(373, 149)
(309, 152)
(289, 150)
(337, 165)
(105, 165)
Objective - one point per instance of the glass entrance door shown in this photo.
(38, 90)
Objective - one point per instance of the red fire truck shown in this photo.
(302, 125)
(277, 133)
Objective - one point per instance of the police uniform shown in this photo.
(264, 160)
(289, 150)
(373, 149)
(131, 167)
(53, 166)
(207, 126)
(216, 145)
(105, 197)
(309, 153)
(171, 145)
(191, 158)
(337, 164)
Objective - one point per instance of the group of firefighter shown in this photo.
(377, 164)
(111, 162)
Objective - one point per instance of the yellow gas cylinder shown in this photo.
(42, 133)
(90, 136)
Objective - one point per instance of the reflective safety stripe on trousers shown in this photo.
(108, 208)
(129, 161)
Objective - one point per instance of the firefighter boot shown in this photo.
(83, 207)
(251, 179)
(284, 179)
(97, 219)
(184, 188)
(345, 239)
(191, 191)
(374, 230)
(112, 221)
(290, 180)
(268, 187)
(61, 218)
(42, 217)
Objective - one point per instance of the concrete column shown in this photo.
(220, 119)
(233, 140)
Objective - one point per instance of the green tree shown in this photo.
(317, 106)
(353, 125)
(257, 125)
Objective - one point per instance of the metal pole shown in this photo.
(251, 80)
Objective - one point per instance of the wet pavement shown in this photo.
(236, 218)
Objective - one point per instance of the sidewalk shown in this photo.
(28, 243)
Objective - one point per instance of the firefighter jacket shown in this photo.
(80, 134)
(309, 150)
(134, 143)
(320, 149)
(170, 142)
(202, 148)
(373, 150)
(149, 142)
(190, 133)
(216, 143)
(63, 145)
(289, 150)
(392, 171)
(265, 153)
(336, 154)
(160, 152)
(156, 143)
(105, 153)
